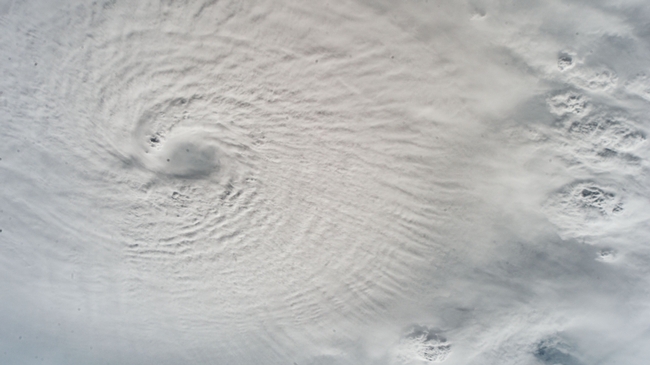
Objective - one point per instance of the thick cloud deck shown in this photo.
(340, 182)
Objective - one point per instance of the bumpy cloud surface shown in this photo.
(346, 182)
